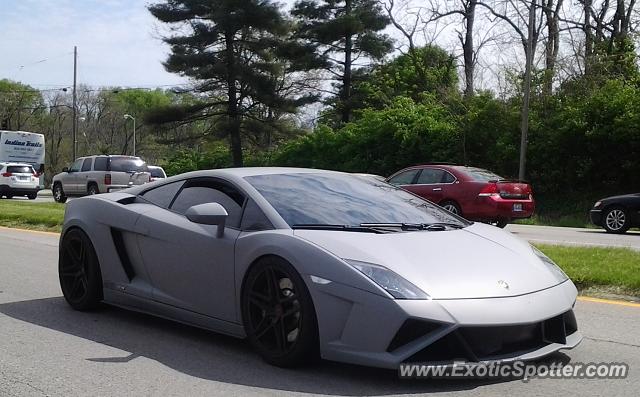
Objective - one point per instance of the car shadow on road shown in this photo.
(215, 357)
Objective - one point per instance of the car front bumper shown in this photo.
(596, 217)
(367, 329)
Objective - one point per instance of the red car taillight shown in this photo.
(491, 189)
(7, 174)
(107, 179)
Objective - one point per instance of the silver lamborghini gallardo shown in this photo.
(310, 263)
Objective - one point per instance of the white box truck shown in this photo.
(23, 147)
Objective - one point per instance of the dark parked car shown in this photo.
(475, 193)
(617, 214)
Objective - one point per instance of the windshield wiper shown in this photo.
(415, 226)
(342, 228)
(445, 224)
(399, 225)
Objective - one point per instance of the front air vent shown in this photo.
(121, 249)
(411, 330)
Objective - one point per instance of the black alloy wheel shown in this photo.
(79, 271)
(278, 314)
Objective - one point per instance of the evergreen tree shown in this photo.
(237, 51)
(344, 33)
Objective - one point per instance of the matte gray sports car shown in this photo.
(308, 262)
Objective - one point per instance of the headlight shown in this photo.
(555, 269)
(397, 286)
(598, 204)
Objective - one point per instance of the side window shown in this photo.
(76, 166)
(86, 165)
(209, 191)
(253, 219)
(100, 164)
(430, 176)
(405, 178)
(448, 177)
(163, 195)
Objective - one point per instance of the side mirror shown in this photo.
(208, 214)
(65, 169)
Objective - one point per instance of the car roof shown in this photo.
(234, 175)
(15, 164)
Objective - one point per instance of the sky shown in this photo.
(118, 43)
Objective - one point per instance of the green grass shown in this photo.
(29, 215)
(614, 270)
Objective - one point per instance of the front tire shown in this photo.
(278, 314)
(58, 194)
(616, 220)
(32, 196)
(79, 271)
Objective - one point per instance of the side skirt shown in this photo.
(135, 303)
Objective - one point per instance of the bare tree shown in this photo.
(552, 46)
(522, 17)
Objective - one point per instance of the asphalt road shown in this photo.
(576, 236)
(48, 349)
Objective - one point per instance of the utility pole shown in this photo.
(75, 116)
(128, 116)
(524, 122)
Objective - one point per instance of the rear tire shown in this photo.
(79, 271)
(32, 196)
(93, 189)
(452, 207)
(9, 196)
(58, 193)
(616, 220)
(278, 314)
(502, 223)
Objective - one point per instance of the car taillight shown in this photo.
(7, 174)
(107, 179)
(491, 189)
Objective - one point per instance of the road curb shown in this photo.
(56, 234)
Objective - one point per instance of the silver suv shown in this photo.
(99, 174)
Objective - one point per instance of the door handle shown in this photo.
(437, 189)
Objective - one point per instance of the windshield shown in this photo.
(480, 175)
(343, 199)
(127, 164)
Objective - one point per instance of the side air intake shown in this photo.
(118, 242)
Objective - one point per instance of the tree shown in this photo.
(18, 103)
(232, 50)
(423, 70)
(552, 45)
(343, 33)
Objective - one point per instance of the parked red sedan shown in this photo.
(474, 193)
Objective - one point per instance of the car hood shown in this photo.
(474, 262)
(623, 196)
